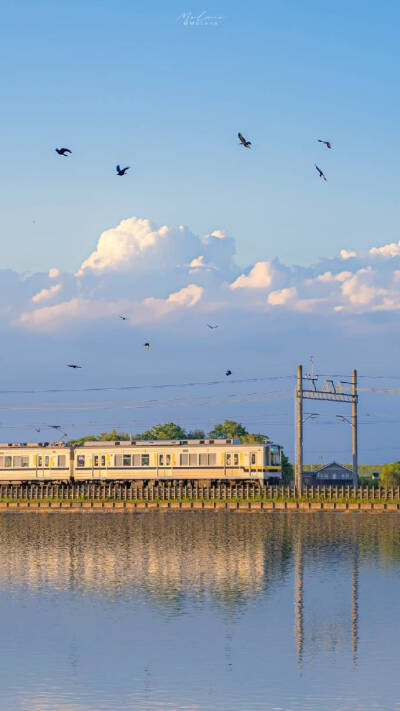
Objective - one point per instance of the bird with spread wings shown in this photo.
(243, 141)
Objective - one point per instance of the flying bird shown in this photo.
(243, 141)
(147, 346)
(326, 143)
(37, 429)
(124, 318)
(211, 326)
(55, 427)
(121, 171)
(228, 372)
(73, 365)
(321, 174)
(63, 152)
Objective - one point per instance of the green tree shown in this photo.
(169, 430)
(81, 441)
(287, 470)
(390, 474)
(113, 436)
(195, 434)
(228, 430)
(253, 438)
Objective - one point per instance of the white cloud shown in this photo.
(347, 254)
(152, 273)
(260, 277)
(46, 294)
(280, 297)
(387, 250)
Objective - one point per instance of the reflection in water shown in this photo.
(196, 610)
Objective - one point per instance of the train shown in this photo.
(204, 462)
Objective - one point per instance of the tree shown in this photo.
(390, 474)
(81, 441)
(287, 470)
(169, 430)
(113, 436)
(228, 430)
(253, 438)
(195, 434)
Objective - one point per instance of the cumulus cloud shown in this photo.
(46, 294)
(260, 277)
(282, 296)
(387, 250)
(347, 254)
(155, 273)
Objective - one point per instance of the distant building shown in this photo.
(332, 474)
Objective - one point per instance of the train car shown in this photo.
(201, 461)
(35, 461)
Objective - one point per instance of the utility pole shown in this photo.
(299, 429)
(354, 426)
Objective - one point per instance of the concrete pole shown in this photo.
(354, 427)
(299, 429)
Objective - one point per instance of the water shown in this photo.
(199, 611)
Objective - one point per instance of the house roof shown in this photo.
(332, 466)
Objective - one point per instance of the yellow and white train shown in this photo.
(202, 461)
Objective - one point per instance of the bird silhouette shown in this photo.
(147, 346)
(124, 318)
(228, 372)
(55, 427)
(73, 365)
(243, 141)
(63, 152)
(37, 429)
(121, 171)
(320, 172)
(211, 326)
(326, 143)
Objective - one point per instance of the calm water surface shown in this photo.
(199, 611)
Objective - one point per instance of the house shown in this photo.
(332, 474)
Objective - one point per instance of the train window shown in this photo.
(118, 460)
(103, 460)
(61, 460)
(127, 460)
(7, 461)
(203, 460)
(1, 461)
(275, 458)
(228, 458)
(212, 459)
(145, 460)
(46, 461)
(253, 458)
(17, 461)
(193, 460)
(168, 460)
(80, 460)
(24, 461)
(40, 461)
(184, 460)
(136, 460)
(236, 459)
(161, 460)
(96, 460)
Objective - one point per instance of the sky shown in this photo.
(200, 229)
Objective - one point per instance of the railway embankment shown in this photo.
(128, 498)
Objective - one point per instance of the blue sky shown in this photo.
(129, 83)
(123, 81)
